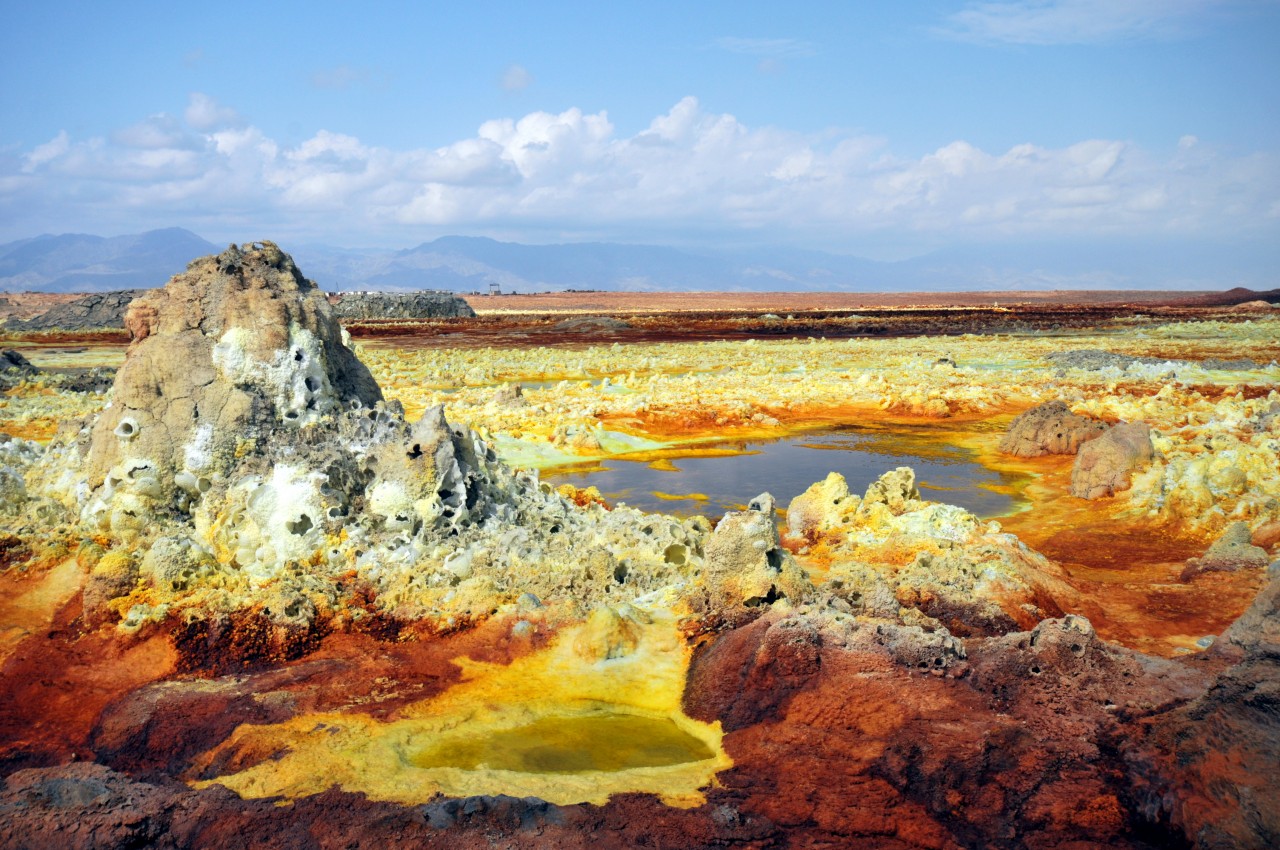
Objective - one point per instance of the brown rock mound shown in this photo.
(1232, 551)
(237, 346)
(1049, 429)
(1208, 768)
(1104, 466)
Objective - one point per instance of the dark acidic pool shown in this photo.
(786, 467)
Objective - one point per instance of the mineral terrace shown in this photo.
(262, 586)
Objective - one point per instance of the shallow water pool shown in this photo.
(711, 485)
(572, 744)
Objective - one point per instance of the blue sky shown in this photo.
(881, 129)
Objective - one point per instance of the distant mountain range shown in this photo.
(83, 263)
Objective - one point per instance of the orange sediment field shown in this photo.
(1126, 568)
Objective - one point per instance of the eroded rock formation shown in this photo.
(892, 555)
(1106, 465)
(1234, 550)
(1049, 428)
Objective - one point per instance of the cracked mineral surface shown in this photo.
(261, 586)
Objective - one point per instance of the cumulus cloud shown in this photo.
(205, 113)
(516, 78)
(158, 132)
(689, 170)
(1077, 21)
(46, 152)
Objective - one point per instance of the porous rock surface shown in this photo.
(238, 347)
(1050, 428)
(1106, 465)
(891, 554)
(746, 564)
(96, 311)
(400, 305)
(1207, 767)
(248, 472)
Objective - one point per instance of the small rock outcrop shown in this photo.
(365, 306)
(96, 311)
(1105, 466)
(1234, 550)
(1092, 359)
(893, 555)
(13, 361)
(746, 565)
(1049, 429)
(14, 368)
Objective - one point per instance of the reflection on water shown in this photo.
(786, 467)
(572, 744)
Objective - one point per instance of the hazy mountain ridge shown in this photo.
(86, 263)
(78, 262)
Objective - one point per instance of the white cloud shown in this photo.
(157, 132)
(1077, 21)
(46, 152)
(690, 170)
(516, 78)
(205, 113)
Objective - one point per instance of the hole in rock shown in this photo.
(620, 573)
(1035, 670)
(301, 525)
(774, 557)
(571, 744)
(415, 452)
(297, 356)
(311, 384)
(768, 599)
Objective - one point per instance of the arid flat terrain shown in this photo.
(701, 302)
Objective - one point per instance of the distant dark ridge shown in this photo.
(409, 305)
(1230, 298)
(95, 311)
